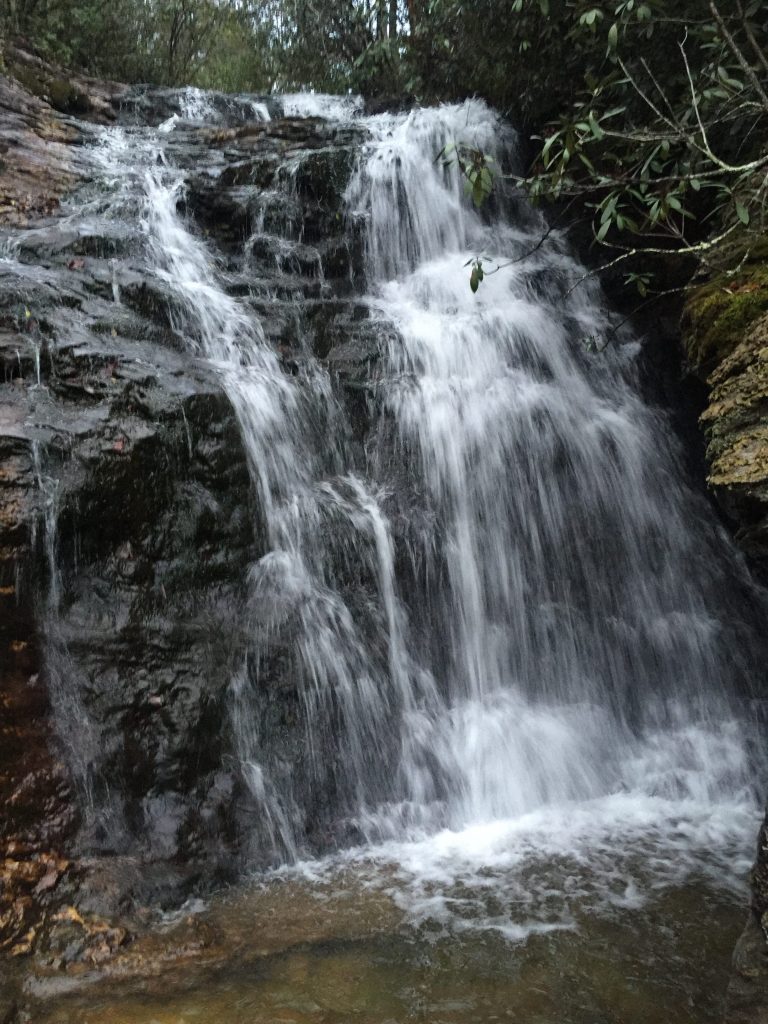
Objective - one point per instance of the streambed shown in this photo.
(620, 911)
(341, 950)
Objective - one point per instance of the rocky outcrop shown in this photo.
(37, 161)
(127, 515)
(89, 99)
(725, 334)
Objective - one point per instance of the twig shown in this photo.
(687, 250)
(750, 36)
(735, 50)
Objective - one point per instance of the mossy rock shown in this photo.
(719, 314)
(59, 92)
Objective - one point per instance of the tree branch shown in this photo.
(736, 51)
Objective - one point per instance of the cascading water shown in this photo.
(571, 611)
(538, 662)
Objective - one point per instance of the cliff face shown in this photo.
(725, 336)
(126, 508)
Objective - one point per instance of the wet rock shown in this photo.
(746, 998)
(146, 104)
(128, 519)
(285, 176)
(31, 883)
(37, 164)
(725, 337)
(735, 423)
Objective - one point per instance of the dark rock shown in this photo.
(146, 104)
(746, 998)
(125, 491)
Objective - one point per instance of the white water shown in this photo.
(545, 666)
(311, 104)
(196, 105)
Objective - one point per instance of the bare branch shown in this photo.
(759, 52)
(736, 51)
(671, 124)
(688, 250)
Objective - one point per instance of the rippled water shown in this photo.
(347, 948)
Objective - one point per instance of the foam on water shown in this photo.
(311, 104)
(546, 869)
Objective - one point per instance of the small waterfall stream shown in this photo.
(545, 664)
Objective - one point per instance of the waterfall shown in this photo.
(509, 609)
(573, 611)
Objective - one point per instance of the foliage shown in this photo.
(161, 41)
(672, 132)
(238, 45)
(666, 140)
(652, 113)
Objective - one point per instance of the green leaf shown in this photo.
(474, 278)
(742, 213)
(613, 36)
(597, 131)
(603, 230)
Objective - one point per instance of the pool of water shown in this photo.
(379, 940)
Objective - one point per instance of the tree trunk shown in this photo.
(413, 15)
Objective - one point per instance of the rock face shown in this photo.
(36, 155)
(90, 99)
(747, 992)
(725, 333)
(127, 516)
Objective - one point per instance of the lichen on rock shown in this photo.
(724, 330)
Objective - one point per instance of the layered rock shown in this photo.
(37, 161)
(725, 334)
(127, 515)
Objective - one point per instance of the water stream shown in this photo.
(540, 714)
